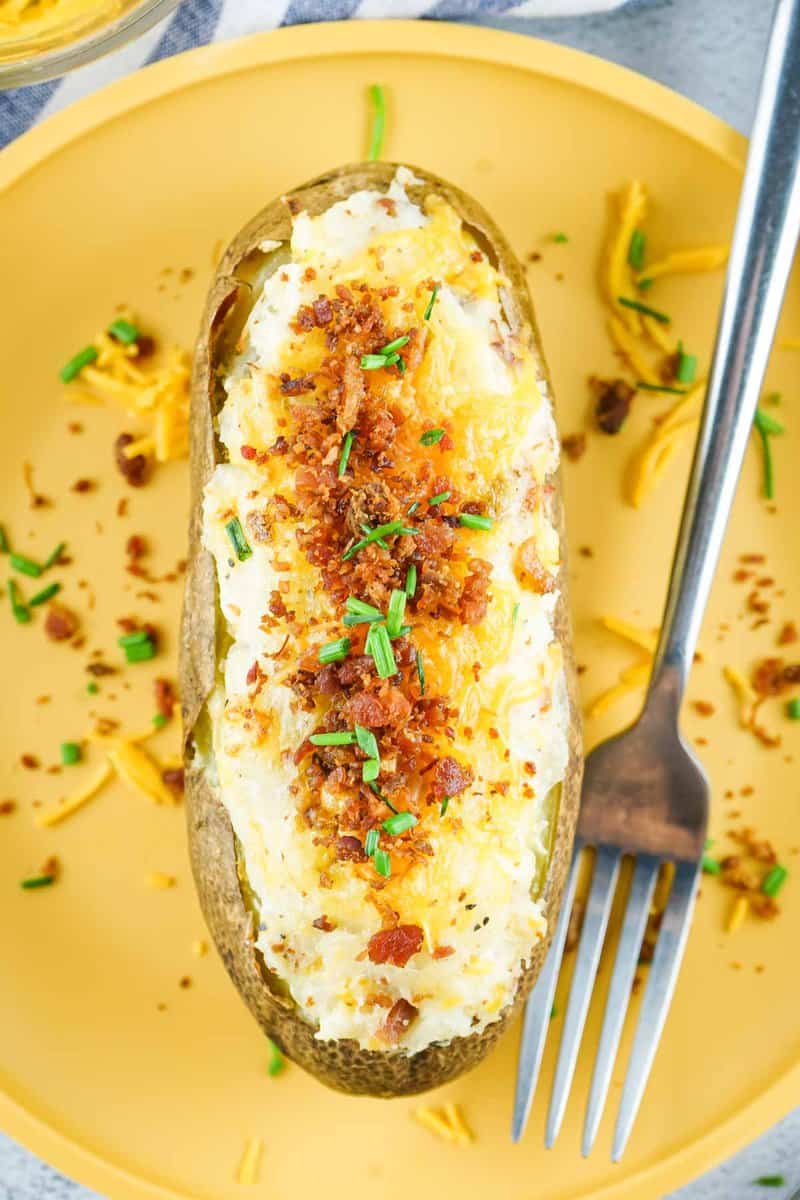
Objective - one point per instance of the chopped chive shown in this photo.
(773, 398)
(774, 880)
(793, 709)
(399, 823)
(644, 285)
(411, 580)
(234, 530)
(373, 362)
(137, 638)
(370, 770)
(123, 331)
(351, 619)
(764, 423)
(770, 1181)
(20, 610)
(371, 842)
(70, 753)
(553, 1013)
(401, 366)
(73, 368)
(637, 306)
(559, 238)
(140, 652)
(397, 344)
(375, 535)
(54, 556)
(769, 476)
(643, 386)
(403, 631)
(412, 508)
(4, 546)
(37, 881)
(475, 521)
(383, 864)
(333, 652)
(391, 359)
(378, 121)
(160, 720)
(636, 248)
(366, 741)
(92, 688)
(420, 672)
(373, 787)
(367, 529)
(25, 565)
(45, 594)
(379, 646)
(347, 446)
(687, 366)
(339, 737)
(711, 866)
(708, 843)
(515, 615)
(439, 498)
(360, 608)
(443, 806)
(429, 306)
(275, 1060)
(395, 612)
(431, 436)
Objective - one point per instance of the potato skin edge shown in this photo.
(340, 1064)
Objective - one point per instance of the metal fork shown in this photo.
(644, 793)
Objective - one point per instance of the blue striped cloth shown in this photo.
(196, 22)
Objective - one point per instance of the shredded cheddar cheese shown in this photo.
(65, 808)
(158, 393)
(737, 914)
(160, 882)
(200, 948)
(446, 1123)
(454, 1115)
(139, 771)
(631, 350)
(632, 208)
(745, 694)
(687, 262)
(631, 679)
(681, 422)
(645, 639)
(248, 1169)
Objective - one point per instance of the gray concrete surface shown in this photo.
(710, 50)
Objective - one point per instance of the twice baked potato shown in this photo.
(382, 742)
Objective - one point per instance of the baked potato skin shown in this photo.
(222, 890)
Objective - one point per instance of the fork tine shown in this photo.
(671, 943)
(539, 1008)
(595, 922)
(633, 926)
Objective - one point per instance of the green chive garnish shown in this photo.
(443, 806)
(360, 608)
(375, 535)
(371, 842)
(793, 709)
(475, 521)
(54, 556)
(399, 823)
(560, 238)
(372, 362)
(637, 306)
(123, 331)
(70, 753)
(347, 446)
(383, 864)
(770, 1181)
(515, 615)
(411, 580)
(340, 737)
(159, 720)
(37, 881)
(420, 673)
(370, 770)
(76, 364)
(397, 344)
(234, 530)
(764, 423)
(333, 652)
(25, 565)
(642, 386)
(275, 1060)
(19, 609)
(431, 436)
(412, 508)
(687, 366)
(4, 546)
(395, 612)
(137, 638)
(644, 285)
(45, 594)
(774, 880)
(140, 652)
(766, 451)
(636, 248)
(92, 688)
(429, 307)
(378, 121)
(373, 787)
(711, 866)
(439, 498)
(366, 741)
(379, 646)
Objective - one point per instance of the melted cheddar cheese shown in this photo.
(469, 887)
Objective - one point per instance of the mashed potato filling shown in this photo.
(466, 875)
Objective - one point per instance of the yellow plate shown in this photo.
(151, 174)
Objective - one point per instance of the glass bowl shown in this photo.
(74, 42)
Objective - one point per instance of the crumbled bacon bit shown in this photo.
(449, 778)
(395, 946)
(174, 779)
(165, 697)
(703, 708)
(297, 386)
(134, 470)
(30, 762)
(539, 579)
(136, 547)
(7, 807)
(349, 849)
(444, 951)
(74, 427)
(574, 446)
(788, 634)
(279, 446)
(322, 923)
(60, 623)
(248, 452)
(83, 485)
(389, 204)
(612, 399)
(399, 1019)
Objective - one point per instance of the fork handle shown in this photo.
(764, 241)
